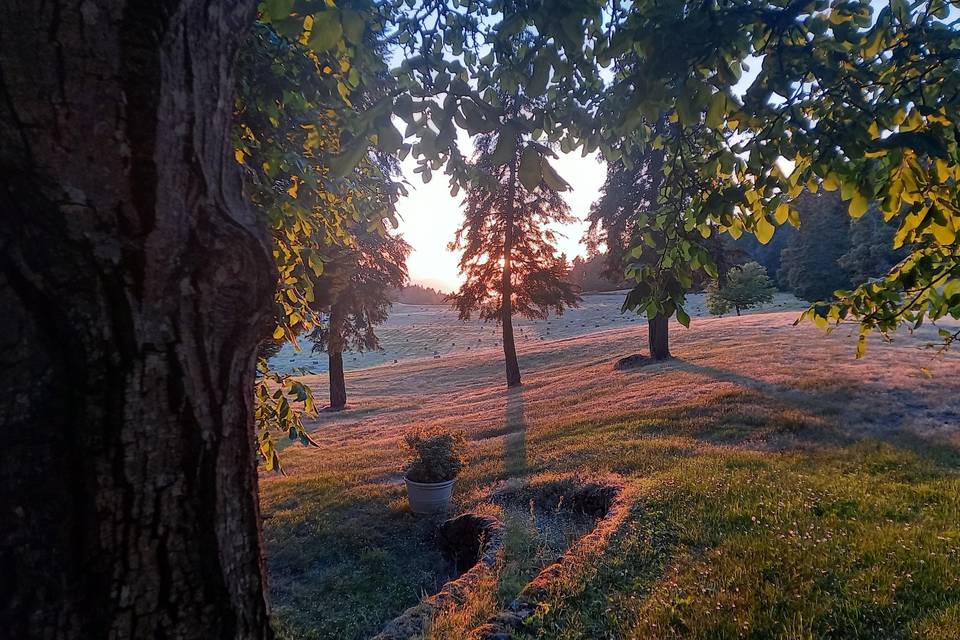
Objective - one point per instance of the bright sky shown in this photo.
(430, 217)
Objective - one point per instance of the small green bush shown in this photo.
(437, 455)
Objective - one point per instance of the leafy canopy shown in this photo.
(846, 97)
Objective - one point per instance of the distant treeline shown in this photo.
(416, 294)
(590, 275)
(830, 251)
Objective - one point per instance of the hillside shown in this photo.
(760, 442)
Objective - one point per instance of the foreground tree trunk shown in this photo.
(506, 285)
(658, 337)
(135, 284)
(338, 386)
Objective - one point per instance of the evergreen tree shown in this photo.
(418, 294)
(509, 248)
(593, 274)
(745, 287)
(356, 299)
(767, 255)
(808, 265)
(871, 254)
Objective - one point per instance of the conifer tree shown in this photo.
(509, 248)
(809, 264)
(746, 287)
(357, 298)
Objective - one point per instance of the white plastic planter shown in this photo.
(429, 497)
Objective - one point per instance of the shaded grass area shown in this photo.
(342, 561)
(760, 517)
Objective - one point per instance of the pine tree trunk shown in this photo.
(135, 284)
(506, 286)
(338, 386)
(658, 334)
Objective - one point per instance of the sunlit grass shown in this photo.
(851, 542)
(759, 511)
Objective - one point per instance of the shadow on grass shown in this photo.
(756, 415)
(344, 561)
(887, 413)
(515, 442)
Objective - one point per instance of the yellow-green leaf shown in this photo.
(530, 172)
(858, 205)
(782, 213)
(763, 230)
(551, 177)
(326, 31)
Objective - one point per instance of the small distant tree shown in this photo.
(357, 297)
(509, 248)
(745, 287)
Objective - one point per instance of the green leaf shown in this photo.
(316, 264)
(277, 9)
(389, 138)
(541, 75)
(353, 26)
(717, 110)
(682, 317)
(343, 164)
(551, 177)
(530, 172)
(326, 31)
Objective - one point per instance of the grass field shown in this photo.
(778, 488)
(418, 332)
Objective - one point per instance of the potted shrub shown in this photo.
(436, 457)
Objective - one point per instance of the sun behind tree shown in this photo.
(509, 248)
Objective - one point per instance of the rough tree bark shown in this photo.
(658, 337)
(338, 386)
(506, 285)
(134, 286)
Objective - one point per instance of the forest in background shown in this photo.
(829, 252)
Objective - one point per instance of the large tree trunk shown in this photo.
(338, 386)
(135, 284)
(658, 337)
(506, 286)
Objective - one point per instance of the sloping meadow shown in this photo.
(764, 482)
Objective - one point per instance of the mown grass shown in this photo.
(859, 541)
(343, 560)
(758, 517)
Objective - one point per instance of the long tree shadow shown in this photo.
(879, 412)
(515, 442)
